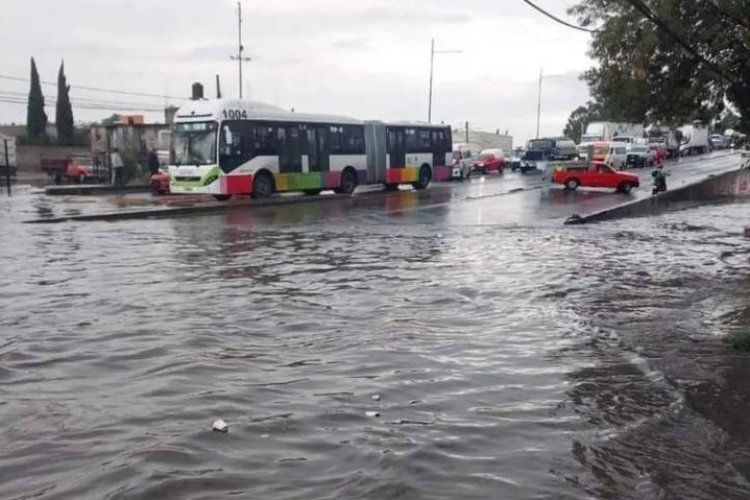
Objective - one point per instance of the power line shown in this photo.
(82, 105)
(97, 89)
(561, 21)
(52, 98)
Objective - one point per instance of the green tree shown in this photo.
(36, 118)
(579, 118)
(669, 60)
(64, 111)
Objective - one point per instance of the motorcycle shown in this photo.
(660, 182)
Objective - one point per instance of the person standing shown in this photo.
(118, 168)
(153, 162)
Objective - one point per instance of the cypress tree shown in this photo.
(64, 111)
(36, 118)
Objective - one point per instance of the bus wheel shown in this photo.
(222, 197)
(348, 182)
(425, 176)
(263, 185)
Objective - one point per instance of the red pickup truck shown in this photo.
(594, 174)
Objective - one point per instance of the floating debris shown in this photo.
(220, 426)
(372, 414)
(375, 397)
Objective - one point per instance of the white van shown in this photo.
(618, 155)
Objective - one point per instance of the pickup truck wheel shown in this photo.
(571, 184)
(625, 188)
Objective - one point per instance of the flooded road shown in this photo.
(506, 355)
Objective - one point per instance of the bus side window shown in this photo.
(353, 140)
(230, 145)
(231, 139)
(424, 143)
(411, 140)
(336, 140)
(264, 140)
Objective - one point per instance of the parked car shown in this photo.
(490, 160)
(160, 182)
(461, 164)
(719, 141)
(514, 162)
(640, 156)
(594, 174)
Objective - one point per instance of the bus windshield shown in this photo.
(194, 143)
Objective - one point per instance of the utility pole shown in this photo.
(239, 58)
(539, 104)
(467, 132)
(218, 88)
(432, 67)
(7, 165)
(539, 98)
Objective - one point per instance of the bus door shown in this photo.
(317, 149)
(396, 148)
(289, 149)
(438, 148)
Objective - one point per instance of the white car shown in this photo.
(461, 163)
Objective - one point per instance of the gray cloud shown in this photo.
(366, 58)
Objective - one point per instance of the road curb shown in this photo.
(725, 186)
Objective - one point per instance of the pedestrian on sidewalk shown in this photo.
(118, 168)
(153, 162)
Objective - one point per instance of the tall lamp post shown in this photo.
(432, 67)
(239, 58)
(542, 76)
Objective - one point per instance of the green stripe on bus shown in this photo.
(208, 178)
(295, 182)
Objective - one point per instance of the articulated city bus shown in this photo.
(227, 148)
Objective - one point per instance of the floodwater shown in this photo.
(503, 359)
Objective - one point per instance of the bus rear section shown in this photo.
(405, 153)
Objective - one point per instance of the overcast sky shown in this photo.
(363, 58)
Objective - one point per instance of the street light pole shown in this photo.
(432, 67)
(539, 98)
(240, 48)
(539, 104)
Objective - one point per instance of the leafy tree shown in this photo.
(36, 118)
(64, 111)
(669, 60)
(579, 118)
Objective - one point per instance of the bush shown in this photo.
(132, 169)
(739, 341)
(34, 141)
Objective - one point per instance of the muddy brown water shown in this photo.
(511, 360)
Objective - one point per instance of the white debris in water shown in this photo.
(372, 414)
(220, 426)
(375, 397)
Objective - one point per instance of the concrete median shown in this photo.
(726, 186)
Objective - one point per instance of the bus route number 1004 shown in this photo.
(235, 114)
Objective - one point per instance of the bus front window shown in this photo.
(194, 144)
